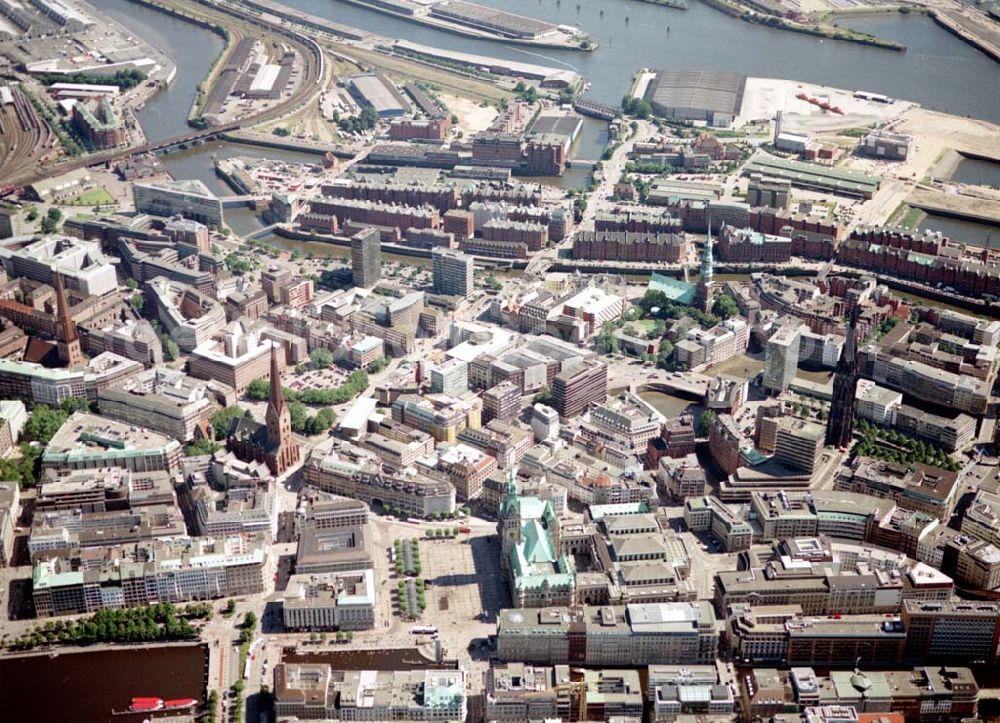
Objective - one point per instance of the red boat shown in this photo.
(178, 703)
(146, 704)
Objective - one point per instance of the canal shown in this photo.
(199, 163)
(977, 172)
(85, 687)
(973, 232)
(192, 48)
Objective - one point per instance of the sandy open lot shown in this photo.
(472, 117)
(764, 96)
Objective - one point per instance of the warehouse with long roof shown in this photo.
(377, 91)
(696, 95)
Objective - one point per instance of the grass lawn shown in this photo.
(96, 197)
(906, 216)
(913, 217)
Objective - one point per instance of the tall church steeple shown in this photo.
(840, 426)
(67, 340)
(272, 442)
(281, 447)
(279, 423)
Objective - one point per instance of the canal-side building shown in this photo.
(330, 601)
(99, 123)
(188, 198)
(181, 570)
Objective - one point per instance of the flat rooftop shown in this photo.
(88, 433)
(708, 90)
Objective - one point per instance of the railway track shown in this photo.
(27, 137)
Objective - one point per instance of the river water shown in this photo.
(86, 687)
(938, 70)
(193, 50)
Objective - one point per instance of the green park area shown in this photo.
(94, 197)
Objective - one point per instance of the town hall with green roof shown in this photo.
(539, 573)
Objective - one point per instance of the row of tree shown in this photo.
(162, 621)
(893, 446)
(124, 79)
(357, 381)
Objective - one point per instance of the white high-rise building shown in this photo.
(451, 377)
(544, 422)
(452, 272)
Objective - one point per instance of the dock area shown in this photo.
(546, 76)
(957, 205)
(252, 138)
(483, 22)
(983, 35)
(307, 20)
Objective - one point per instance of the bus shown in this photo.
(424, 630)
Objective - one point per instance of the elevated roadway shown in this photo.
(689, 385)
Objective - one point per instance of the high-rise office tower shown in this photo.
(452, 272)
(703, 292)
(366, 258)
(781, 357)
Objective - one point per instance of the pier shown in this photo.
(979, 35)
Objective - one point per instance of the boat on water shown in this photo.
(142, 704)
(148, 704)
